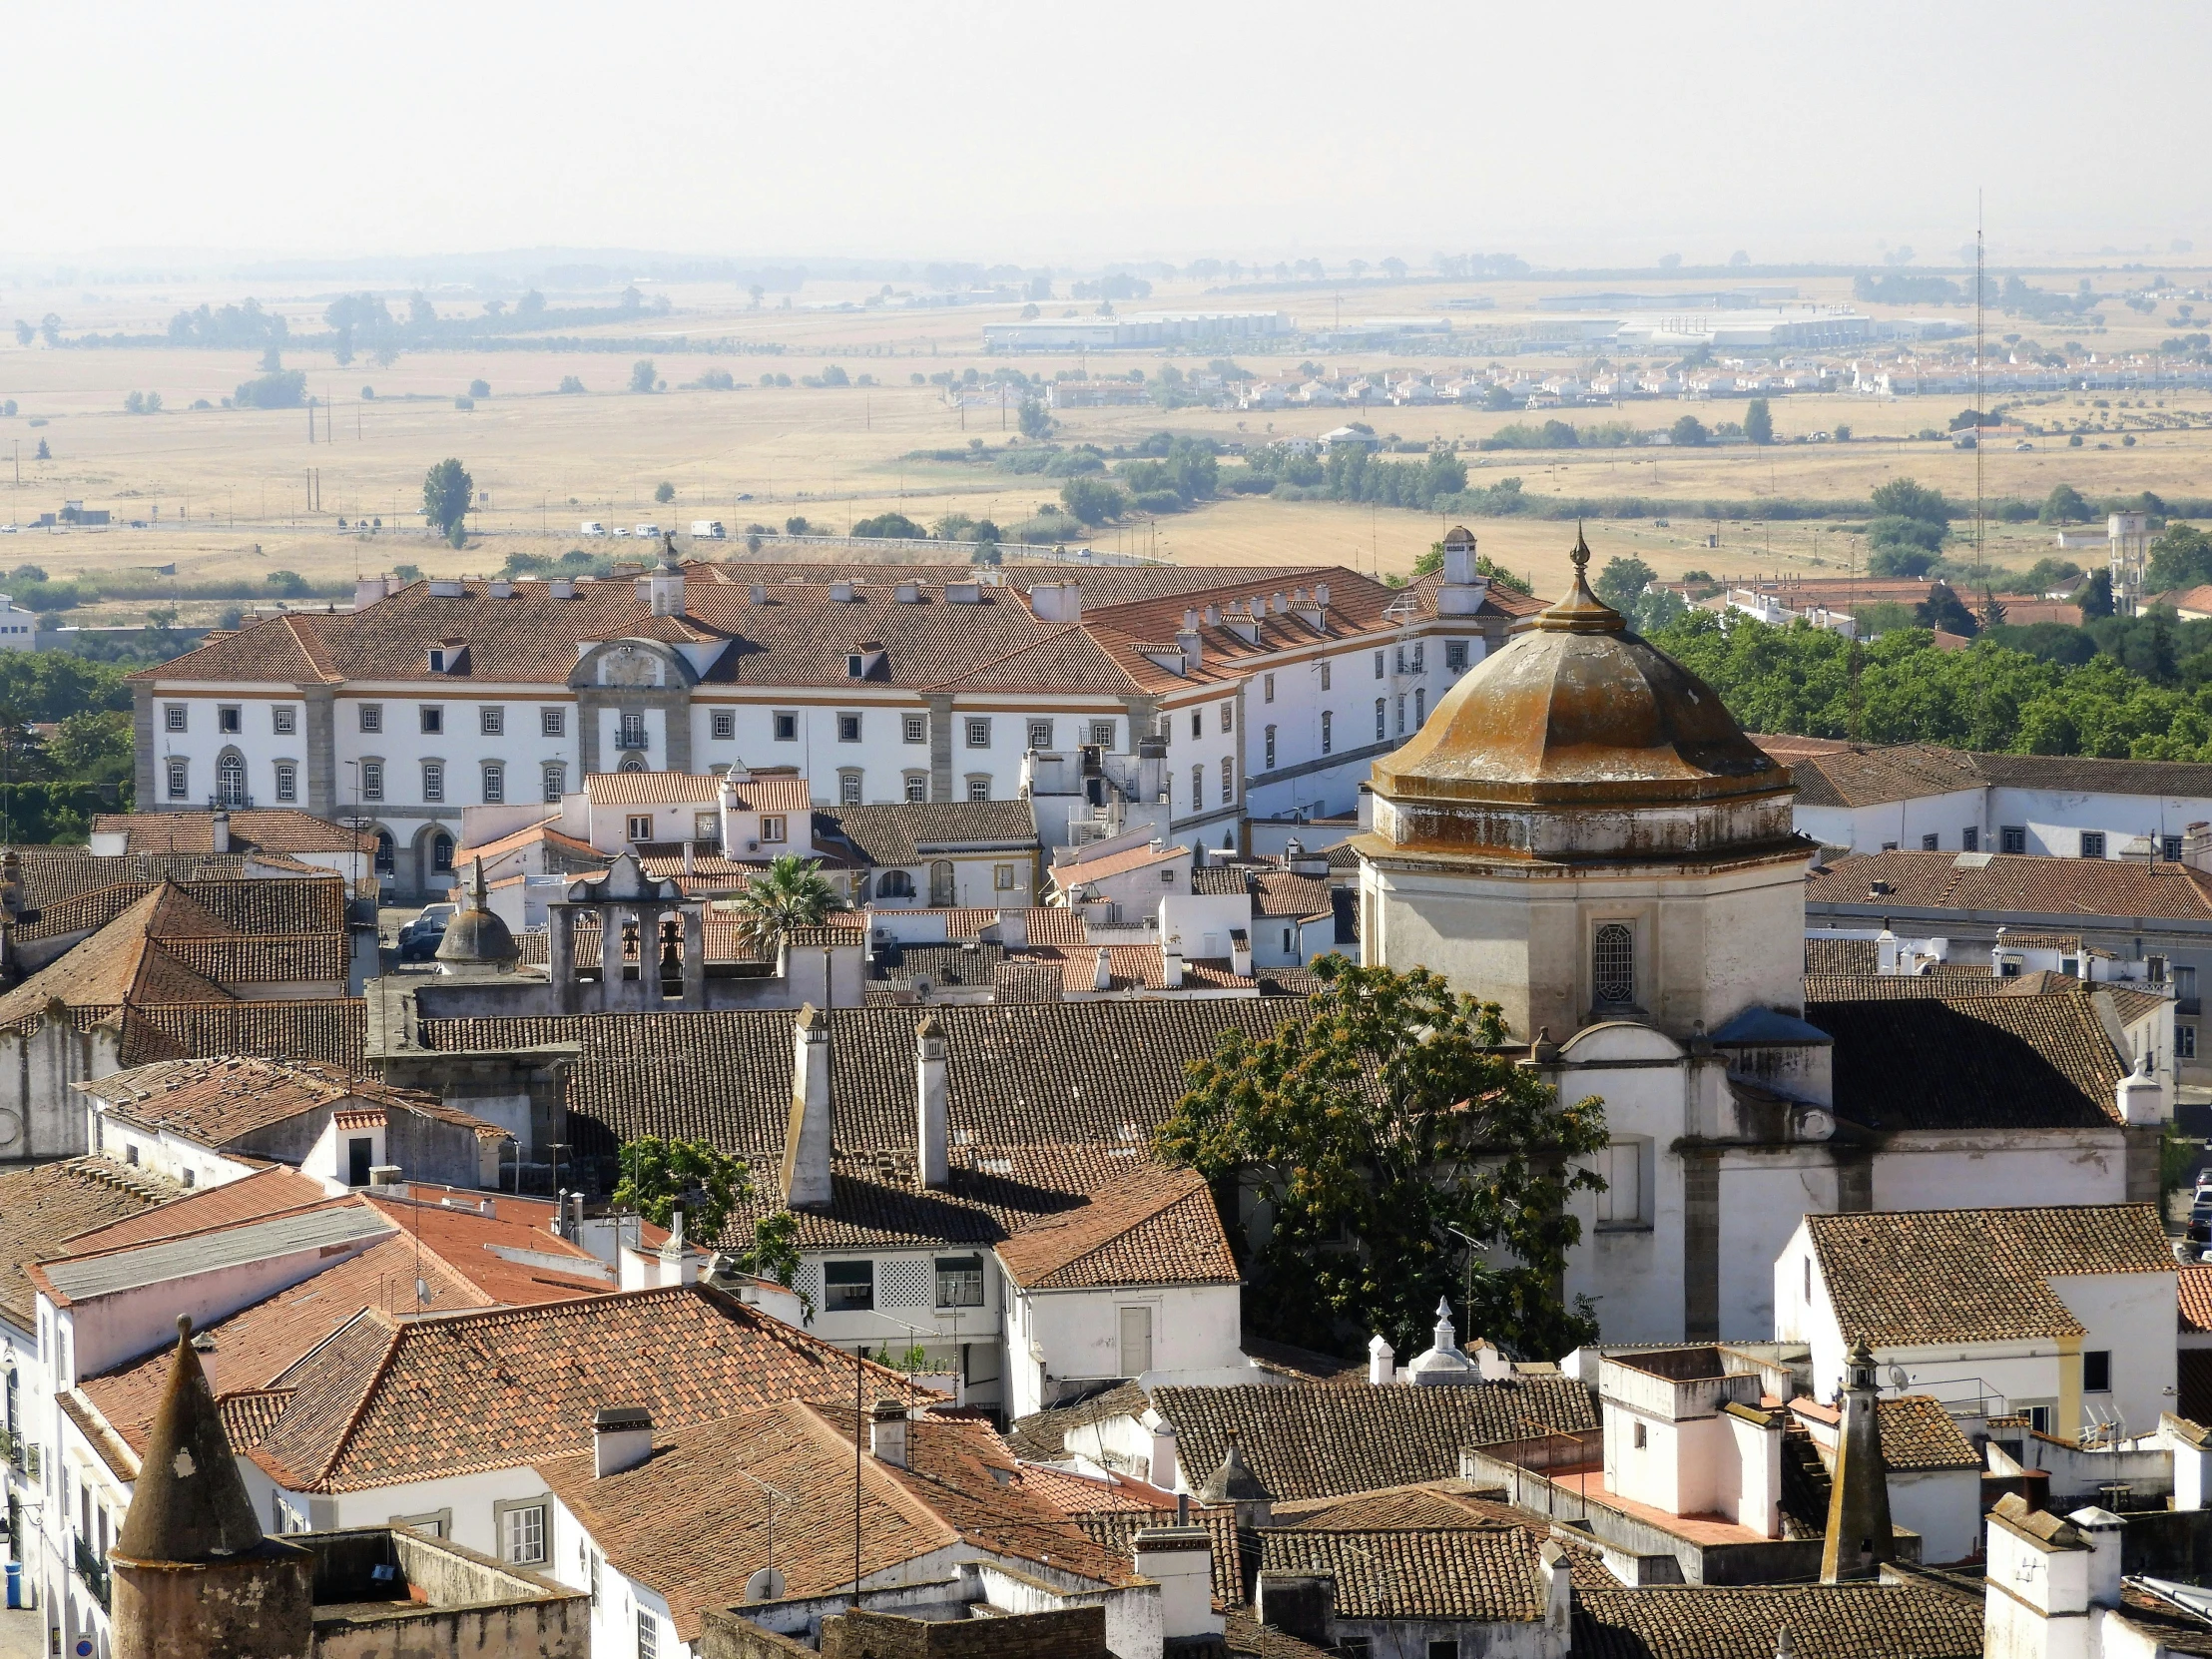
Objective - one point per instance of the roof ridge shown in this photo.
(1006, 657)
(375, 1381)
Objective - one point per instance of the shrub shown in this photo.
(570, 385)
(285, 389)
(480, 388)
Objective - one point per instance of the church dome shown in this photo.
(1579, 738)
(476, 937)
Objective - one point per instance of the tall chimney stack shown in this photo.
(806, 1139)
(929, 1103)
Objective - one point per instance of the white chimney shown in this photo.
(806, 1139)
(908, 593)
(758, 593)
(2141, 1097)
(886, 1434)
(1321, 596)
(930, 1102)
(367, 590)
(1240, 952)
(2101, 1529)
(1558, 1578)
(1102, 970)
(620, 1438)
(218, 833)
(1382, 1361)
(1171, 968)
(1180, 1559)
(562, 589)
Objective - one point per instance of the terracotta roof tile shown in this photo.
(1998, 884)
(326, 1031)
(1160, 1227)
(1488, 1575)
(45, 1205)
(51, 874)
(1115, 1532)
(266, 1193)
(217, 1101)
(1074, 873)
(1919, 1434)
(1847, 776)
(1944, 1063)
(1041, 1437)
(2195, 1297)
(267, 828)
(1919, 1620)
(1944, 1276)
(912, 831)
(248, 905)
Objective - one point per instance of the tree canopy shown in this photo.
(791, 893)
(447, 491)
(657, 1175)
(1382, 1134)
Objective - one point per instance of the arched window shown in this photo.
(385, 853)
(895, 884)
(441, 851)
(230, 779)
(1613, 965)
(941, 894)
(631, 762)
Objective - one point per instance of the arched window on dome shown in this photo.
(1613, 965)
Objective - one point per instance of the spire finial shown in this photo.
(1581, 553)
(479, 897)
(1580, 611)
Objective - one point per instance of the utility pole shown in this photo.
(1981, 358)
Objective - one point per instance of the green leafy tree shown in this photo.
(1622, 582)
(1094, 500)
(1034, 419)
(1944, 610)
(1758, 422)
(894, 526)
(643, 375)
(1903, 498)
(1390, 1118)
(2065, 505)
(774, 1254)
(570, 385)
(797, 526)
(91, 747)
(663, 492)
(2182, 557)
(1688, 431)
(287, 584)
(657, 1175)
(480, 388)
(44, 453)
(2095, 597)
(447, 491)
(790, 894)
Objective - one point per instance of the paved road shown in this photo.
(22, 1634)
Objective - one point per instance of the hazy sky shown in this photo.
(1054, 133)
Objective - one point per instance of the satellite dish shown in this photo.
(764, 1585)
(1897, 1380)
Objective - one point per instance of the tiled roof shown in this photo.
(1304, 1364)
(1841, 956)
(1041, 1437)
(908, 832)
(327, 1031)
(674, 788)
(681, 1524)
(1284, 892)
(1115, 1532)
(1320, 1440)
(269, 828)
(572, 852)
(266, 958)
(247, 905)
(1159, 1226)
(1943, 1276)
(1075, 873)
(383, 1404)
(124, 962)
(217, 1101)
(1957, 1062)
(51, 874)
(248, 1418)
(1130, 968)
(268, 1192)
(2196, 1294)
(1998, 884)
(44, 1204)
(1917, 1433)
(1919, 1620)
(2086, 775)
(1843, 776)
(1487, 1575)
(1102, 1073)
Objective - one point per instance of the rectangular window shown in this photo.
(1198, 788)
(978, 733)
(1613, 965)
(492, 721)
(1198, 722)
(1622, 1202)
(771, 827)
(433, 719)
(1327, 731)
(2185, 1042)
(630, 733)
(1227, 779)
(917, 787)
(915, 728)
(1932, 843)
(173, 717)
(2092, 843)
(2096, 1371)
(1267, 688)
(847, 1286)
(552, 723)
(648, 1634)
(1420, 704)
(433, 780)
(1969, 838)
(1398, 657)
(705, 826)
(372, 716)
(848, 728)
(979, 788)
(288, 780)
(229, 718)
(2013, 837)
(960, 1282)
(179, 780)
(522, 1535)
(1041, 734)
(1401, 714)
(1229, 717)
(284, 719)
(725, 723)
(554, 775)
(1456, 655)
(1271, 749)
(787, 728)
(1002, 877)
(1379, 665)
(495, 783)
(641, 827)
(1381, 718)
(1102, 732)
(1445, 1647)
(372, 780)
(1325, 675)
(849, 789)
(1420, 655)
(2169, 849)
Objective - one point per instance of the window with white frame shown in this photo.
(648, 1634)
(848, 728)
(492, 723)
(284, 719)
(433, 780)
(1198, 788)
(372, 716)
(725, 723)
(372, 780)
(771, 827)
(1229, 717)
(979, 733)
(1327, 731)
(917, 787)
(1267, 688)
(1381, 718)
(1379, 665)
(641, 827)
(1420, 704)
(180, 778)
(522, 1531)
(288, 780)
(173, 717)
(552, 723)
(553, 776)
(229, 718)
(230, 779)
(915, 728)
(1613, 965)
(1270, 749)
(1002, 877)
(1401, 714)
(849, 789)
(1456, 655)
(1102, 733)
(631, 729)
(1420, 654)
(978, 788)
(1227, 779)
(1041, 734)
(960, 1282)
(1325, 676)
(495, 783)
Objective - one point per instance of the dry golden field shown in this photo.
(227, 493)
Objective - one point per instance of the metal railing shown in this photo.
(632, 740)
(92, 1570)
(11, 1450)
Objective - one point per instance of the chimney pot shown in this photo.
(886, 1434)
(620, 1438)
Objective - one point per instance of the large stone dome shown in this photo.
(1580, 740)
(476, 937)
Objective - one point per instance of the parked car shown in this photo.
(432, 919)
(646, 532)
(591, 527)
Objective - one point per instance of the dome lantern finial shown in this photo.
(1579, 610)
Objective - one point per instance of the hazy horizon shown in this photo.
(998, 134)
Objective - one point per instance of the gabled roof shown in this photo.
(313, 903)
(1159, 1226)
(1477, 1575)
(270, 1192)
(267, 828)
(1995, 885)
(44, 1204)
(1074, 873)
(1972, 1061)
(1921, 1619)
(911, 831)
(385, 1403)
(327, 1031)
(1843, 776)
(220, 1100)
(1905, 1278)
(684, 1525)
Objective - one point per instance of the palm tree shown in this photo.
(790, 894)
